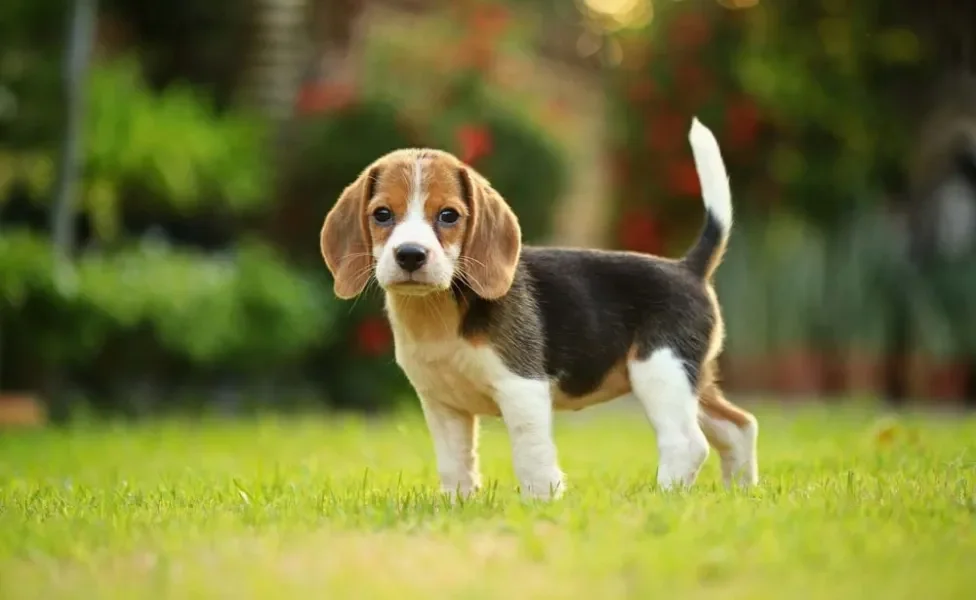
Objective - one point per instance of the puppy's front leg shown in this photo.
(526, 408)
(455, 437)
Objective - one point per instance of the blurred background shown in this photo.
(165, 166)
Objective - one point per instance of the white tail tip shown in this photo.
(711, 172)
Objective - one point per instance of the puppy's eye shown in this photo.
(448, 216)
(383, 216)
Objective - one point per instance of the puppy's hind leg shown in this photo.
(664, 389)
(733, 433)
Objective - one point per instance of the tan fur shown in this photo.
(615, 385)
(444, 192)
(391, 191)
(344, 241)
(488, 234)
(712, 401)
(443, 366)
(441, 182)
(494, 242)
(430, 318)
(711, 398)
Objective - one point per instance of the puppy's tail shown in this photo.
(707, 253)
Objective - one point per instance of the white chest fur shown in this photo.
(451, 372)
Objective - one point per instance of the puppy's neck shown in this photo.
(430, 318)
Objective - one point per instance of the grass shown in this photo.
(850, 506)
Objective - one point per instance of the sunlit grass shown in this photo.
(850, 506)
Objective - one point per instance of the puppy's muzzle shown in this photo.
(410, 257)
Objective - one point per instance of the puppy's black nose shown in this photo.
(410, 257)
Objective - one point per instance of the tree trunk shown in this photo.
(277, 57)
(77, 56)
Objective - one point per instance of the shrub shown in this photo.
(244, 312)
(170, 146)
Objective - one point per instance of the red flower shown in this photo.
(741, 122)
(475, 142)
(319, 97)
(689, 30)
(683, 178)
(639, 232)
(489, 20)
(373, 336)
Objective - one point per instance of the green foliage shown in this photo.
(170, 145)
(821, 71)
(334, 147)
(520, 160)
(172, 142)
(772, 286)
(675, 66)
(25, 268)
(31, 40)
(526, 169)
(33, 170)
(786, 285)
(820, 78)
(245, 309)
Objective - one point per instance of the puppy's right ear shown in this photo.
(494, 242)
(344, 239)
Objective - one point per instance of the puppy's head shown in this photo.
(417, 220)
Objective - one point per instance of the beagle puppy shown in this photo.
(485, 326)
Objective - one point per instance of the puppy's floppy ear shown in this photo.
(494, 240)
(344, 240)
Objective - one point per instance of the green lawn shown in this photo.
(851, 505)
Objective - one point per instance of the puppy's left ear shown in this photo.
(494, 240)
(344, 241)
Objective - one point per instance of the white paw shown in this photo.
(680, 463)
(463, 490)
(543, 488)
(739, 464)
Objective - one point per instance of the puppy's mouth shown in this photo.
(413, 284)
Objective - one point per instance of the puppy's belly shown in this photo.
(615, 385)
(561, 401)
(460, 376)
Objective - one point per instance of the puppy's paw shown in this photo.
(461, 492)
(546, 489)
